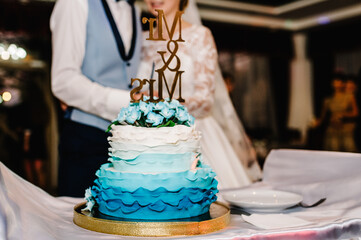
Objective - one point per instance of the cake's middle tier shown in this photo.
(145, 150)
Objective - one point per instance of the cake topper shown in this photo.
(172, 47)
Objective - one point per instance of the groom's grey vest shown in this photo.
(102, 62)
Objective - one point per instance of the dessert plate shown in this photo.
(261, 200)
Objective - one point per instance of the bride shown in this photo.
(198, 55)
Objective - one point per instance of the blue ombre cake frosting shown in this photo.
(159, 196)
(155, 168)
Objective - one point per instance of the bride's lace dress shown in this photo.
(198, 56)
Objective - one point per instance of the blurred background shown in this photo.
(279, 59)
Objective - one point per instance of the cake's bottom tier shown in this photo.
(154, 196)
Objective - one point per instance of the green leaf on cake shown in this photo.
(169, 123)
(110, 126)
(141, 121)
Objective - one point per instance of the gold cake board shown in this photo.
(220, 218)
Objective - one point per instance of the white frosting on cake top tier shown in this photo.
(154, 136)
(164, 149)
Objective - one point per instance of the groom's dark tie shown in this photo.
(131, 2)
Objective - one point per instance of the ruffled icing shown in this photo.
(155, 211)
(157, 204)
(130, 151)
(153, 136)
(168, 195)
(145, 197)
(154, 162)
(172, 181)
(149, 174)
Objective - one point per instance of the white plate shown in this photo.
(262, 200)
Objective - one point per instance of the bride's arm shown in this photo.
(205, 62)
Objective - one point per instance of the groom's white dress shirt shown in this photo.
(68, 25)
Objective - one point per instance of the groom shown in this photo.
(96, 51)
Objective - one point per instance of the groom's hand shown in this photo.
(63, 106)
(155, 93)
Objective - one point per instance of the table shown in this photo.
(27, 212)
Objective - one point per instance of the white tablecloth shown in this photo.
(27, 212)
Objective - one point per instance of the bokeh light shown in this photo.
(21, 53)
(6, 96)
(12, 49)
(2, 48)
(12, 52)
(5, 55)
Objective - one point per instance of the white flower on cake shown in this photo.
(145, 107)
(133, 114)
(154, 118)
(89, 200)
(167, 113)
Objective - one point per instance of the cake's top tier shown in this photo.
(151, 115)
(149, 150)
(153, 136)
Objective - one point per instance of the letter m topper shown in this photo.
(161, 17)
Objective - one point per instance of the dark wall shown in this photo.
(31, 22)
(324, 42)
(323, 45)
(276, 45)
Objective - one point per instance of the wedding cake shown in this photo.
(155, 168)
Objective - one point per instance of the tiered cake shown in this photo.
(155, 169)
